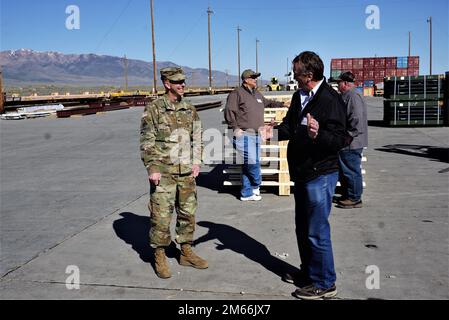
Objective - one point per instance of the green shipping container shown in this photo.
(414, 113)
(335, 73)
(414, 88)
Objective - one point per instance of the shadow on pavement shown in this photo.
(436, 153)
(214, 179)
(239, 242)
(135, 230)
(378, 123)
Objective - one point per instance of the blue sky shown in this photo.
(333, 29)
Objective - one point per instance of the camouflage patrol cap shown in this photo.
(173, 74)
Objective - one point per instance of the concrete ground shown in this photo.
(74, 193)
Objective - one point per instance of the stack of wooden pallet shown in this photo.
(273, 159)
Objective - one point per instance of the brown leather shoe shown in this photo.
(161, 264)
(350, 204)
(336, 199)
(190, 259)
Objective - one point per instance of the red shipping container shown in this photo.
(379, 63)
(346, 70)
(336, 64)
(368, 74)
(401, 72)
(369, 63)
(390, 63)
(358, 74)
(346, 64)
(413, 62)
(380, 73)
(390, 72)
(357, 63)
(413, 72)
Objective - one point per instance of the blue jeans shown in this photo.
(351, 173)
(248, 146)
(313, 203)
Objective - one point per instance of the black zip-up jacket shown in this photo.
(307, 158)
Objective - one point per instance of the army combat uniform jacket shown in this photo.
(170, 137)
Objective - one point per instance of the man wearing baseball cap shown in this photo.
(350, 157)
(244, 114)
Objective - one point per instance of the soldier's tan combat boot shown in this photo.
(190, 259)
(161, 264)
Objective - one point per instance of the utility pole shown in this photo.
(215, 74)
(409, 43)
(126, 73)
(238, 50)
(154, 50)
(227, 75)
(2, 102)
(257, 60)
(430, 31)
(209, 12)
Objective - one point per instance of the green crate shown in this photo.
(406, 78)
(405, 123)
(335, 73)
(417, 97)
(414, 88)
(413, 113)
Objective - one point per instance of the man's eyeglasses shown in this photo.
(297, 74)
(177, 82)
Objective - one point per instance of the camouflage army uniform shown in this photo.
(170, 143)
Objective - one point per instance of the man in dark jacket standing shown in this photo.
(315, 126)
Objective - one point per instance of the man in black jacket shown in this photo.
(315, 126)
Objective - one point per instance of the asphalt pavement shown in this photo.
(74, 197)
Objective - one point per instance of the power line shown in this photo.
(154, 49)
(430, 39)
(257, 60)
(188, 34)
(209, 12)
(238, 50)
(113, 25)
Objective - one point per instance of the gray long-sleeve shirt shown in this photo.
(357, 122)
(245, 109)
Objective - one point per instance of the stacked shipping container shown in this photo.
(414, 101)
(374, 70)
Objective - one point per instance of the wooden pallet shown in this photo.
(274, 169)
(274, 164)
(276, 114)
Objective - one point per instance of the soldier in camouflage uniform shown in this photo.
(170, 145)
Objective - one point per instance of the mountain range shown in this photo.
(27, 67)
